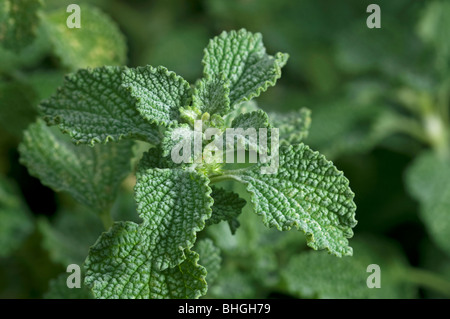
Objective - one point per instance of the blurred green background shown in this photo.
(380, 110)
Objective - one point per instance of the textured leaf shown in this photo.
(174, 204)
(68, 237)
(93, 108)
(177, 135)
(18, 23)
(15, 219)
(209, 258)
(158, 93)
(17, 107)
(428, 180)
(241, 57)
(90, 174)
(293, 126)
(253, 120)
(212, 96)
(227, 207)
(98, 42)
(319, 275)
(307, 192)
(58, 289)
(121, 265)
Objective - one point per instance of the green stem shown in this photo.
(106, 218)
(428, 280)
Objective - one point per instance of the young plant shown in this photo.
(159, 257)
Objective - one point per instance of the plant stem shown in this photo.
(427, 279)
(106, 218)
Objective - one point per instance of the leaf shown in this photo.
(428, 180)
(91, 175)
(240, 56)
(93, 108)
(58, 289)
(174, 204)
(227, 207)
(293, 126)
(18, 23)
(17, 107)
(96, 43)
(158, 93)
(121, 265)
(307, 192)
(68, 237)
(319, 275)
(243, 124)
(15, 219)
(212, 95)
(209, 258)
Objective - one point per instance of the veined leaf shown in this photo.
(93, 108)
(209, 258)
(97, 42)
(428, 180)
(212, 95)
(18, 23)
(307, 192)
(174, 204)
(90, 174)
(121, 265)
(293, 126)
(240, 56)
(227, 207)
(243, 125)
(15, 219)
(158, 93)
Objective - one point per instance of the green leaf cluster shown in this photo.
(103, 109)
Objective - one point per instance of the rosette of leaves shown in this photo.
(159, 257)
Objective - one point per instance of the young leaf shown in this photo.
(293, 126)
(307, 192)
(18, 23)
(212, 95)
(428, 180)
(227, 207)
(209, 258)
(241, 57)
(90, 174)
(93, 108)
(16, 223)
(253, 120)
(158, 93)
(97, 42)
(121, 265)
(174, 204)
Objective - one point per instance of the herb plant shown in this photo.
(104, 109)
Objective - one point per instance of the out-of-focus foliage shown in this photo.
(379, 101)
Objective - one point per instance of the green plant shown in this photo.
(160, 257)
